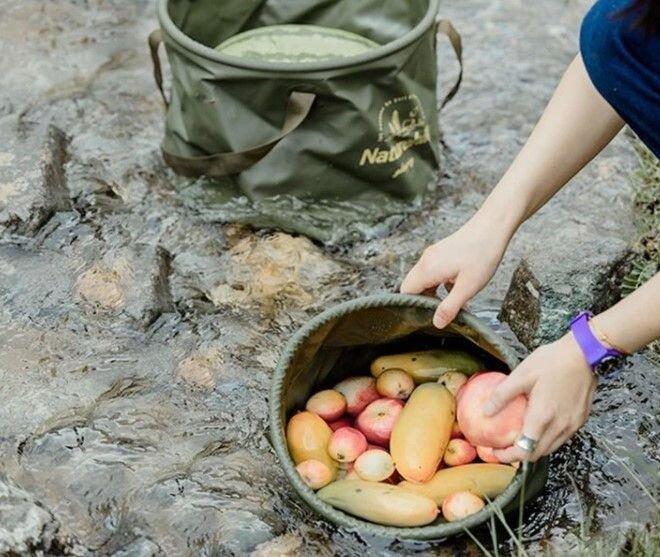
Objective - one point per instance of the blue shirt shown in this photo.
(623, 62)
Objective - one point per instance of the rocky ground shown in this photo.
(137, 340)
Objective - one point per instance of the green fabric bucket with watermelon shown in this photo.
(315, 117)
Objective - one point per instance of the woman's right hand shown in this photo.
(464, 262)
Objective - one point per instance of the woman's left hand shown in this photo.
(559, 385)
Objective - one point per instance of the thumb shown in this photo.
(515, 384)
(449, 307)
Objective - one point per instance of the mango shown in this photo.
(307, 437)
(380, 503)
(422, 432)
(484, 480)
(428, 365)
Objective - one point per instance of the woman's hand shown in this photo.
(559, 385)
(464, 261)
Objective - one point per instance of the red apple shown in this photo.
(461, 504)
(346, 444)
(328, 404)
(341, 422)
(359, 392)
(314, 473)
(499, 431)
(458, 452)
(375, 465)
(395, 383)
(377, 420)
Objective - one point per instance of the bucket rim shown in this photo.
(185, 42)
(345, 520)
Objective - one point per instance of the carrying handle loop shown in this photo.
(155, 40)
(234, 162)
(445, 27)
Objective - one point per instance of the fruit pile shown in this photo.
(394, 447)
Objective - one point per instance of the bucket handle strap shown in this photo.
(226, 164)
(445, 27)
(155, 39)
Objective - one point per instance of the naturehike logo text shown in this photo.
(402, 125)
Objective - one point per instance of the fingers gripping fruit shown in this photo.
(459, 452)
(328, 404)
(499, 431)
(307, 436)
(314, 473)
(460, 505)
(422, 432)
(395, 383)
(484, 480)
(359, 392)
(374, 465)
(427, 365)
(377, 420)
(380, 502)
(486, 454)
(346, 444)
(453, 380)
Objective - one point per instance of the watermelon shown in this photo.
(295, 44)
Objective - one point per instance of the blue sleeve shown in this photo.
(623, 62)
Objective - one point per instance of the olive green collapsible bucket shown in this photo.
(342, 341)
(329, 144)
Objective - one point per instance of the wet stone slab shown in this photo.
(137, 341)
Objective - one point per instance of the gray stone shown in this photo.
(551, 285)
(32, 180)
(25, 526)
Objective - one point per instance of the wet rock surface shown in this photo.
(137, 340)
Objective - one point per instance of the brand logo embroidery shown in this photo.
(402, 125)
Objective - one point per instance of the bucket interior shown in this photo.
(211, 22)
(346, 345)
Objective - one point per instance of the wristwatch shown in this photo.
(595, 352)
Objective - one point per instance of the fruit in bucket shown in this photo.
(359, 392)
(377, 420)
(375, 465)
(427, 365)
(380, 502)
(395, 383)
(460, 505)
(422, 432)
(314, 473)
(341, 422)
(453, 380)
(328, 404)
(346, 444)
(499, 431)
(458, 452)
(484, 480)
(307, 437)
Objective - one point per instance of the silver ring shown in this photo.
(527, 444)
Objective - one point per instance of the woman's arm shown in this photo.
(558, 381)
(574, 128)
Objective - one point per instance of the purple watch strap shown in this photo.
(594, 351)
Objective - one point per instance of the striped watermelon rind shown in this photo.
(295, 44)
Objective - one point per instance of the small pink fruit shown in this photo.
(346, 444)
(458, 452)
(461, 504)
(453, 381)
(395, 383)
(341, 422)
(359, 392)
(486, 454)
(328, 404)
(314, 473)
(499, 431)
(375, 465)
(456, 432)
(377, 420)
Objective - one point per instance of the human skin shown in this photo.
(576, 125)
